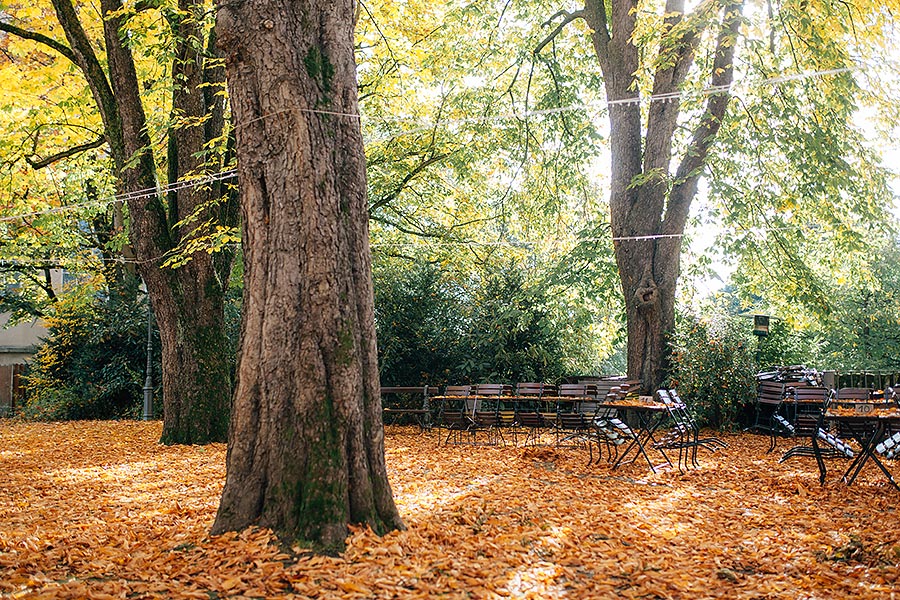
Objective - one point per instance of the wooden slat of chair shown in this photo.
(570, 390)
(530, 389)
(493, 389)
(853, 394)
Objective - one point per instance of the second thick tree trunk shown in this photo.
(306, 444)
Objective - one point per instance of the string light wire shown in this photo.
(59, 261)
(231, 173)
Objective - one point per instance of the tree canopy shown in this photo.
(488, 146)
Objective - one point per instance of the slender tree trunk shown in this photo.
(306, 444)
(190, 301)
(189, 307)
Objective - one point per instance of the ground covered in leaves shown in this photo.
(100, 510)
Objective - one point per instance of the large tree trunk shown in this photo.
(306, 444)
(649, 309)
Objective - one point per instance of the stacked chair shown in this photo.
(890, 446)
(684, 434)
(772, 386)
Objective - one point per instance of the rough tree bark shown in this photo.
(188, 302)
(306, 444)
(649, 204)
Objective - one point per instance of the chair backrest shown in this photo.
(570, 390)
(809, 406)
(769, 392)
(681, 404)
(677, 409)
(665, 397)
(805, 394)
(849, 393)
(458, 390)
(534, 389)
(456, 406)
(457, 398)
(492, 389)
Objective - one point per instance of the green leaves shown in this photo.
(713, 366)
(92, 363)
(794, 175)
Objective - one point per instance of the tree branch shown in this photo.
(39, 38)
(568, 17)
(676, 60)
(46, 162)
(595, 15)
(689, 171)
(390, 196)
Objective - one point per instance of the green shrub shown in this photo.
(420, 321)
(92, 363)
(497, 326)
(516, 331)
(786, 346)
(713, 367)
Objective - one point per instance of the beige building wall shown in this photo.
(17, 345)
(19, 342)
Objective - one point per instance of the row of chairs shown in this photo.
(566, 411)
(568, 414)
(772, 396)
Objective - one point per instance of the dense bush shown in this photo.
(516, 332)
(713, 366)
(787, 346)
(420, 325)
(92, 363)
(497, 326)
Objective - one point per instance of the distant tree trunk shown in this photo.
(649, 205)
(306, 444)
